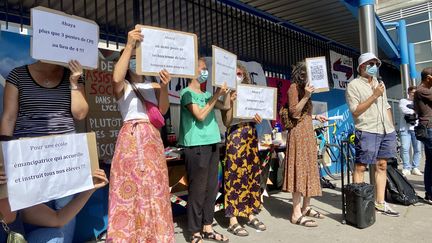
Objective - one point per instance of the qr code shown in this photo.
(317, 72)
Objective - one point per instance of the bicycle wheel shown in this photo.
(334, 158)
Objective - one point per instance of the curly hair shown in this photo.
(246, 78)
(299, 77)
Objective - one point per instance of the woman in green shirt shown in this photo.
(200, 135)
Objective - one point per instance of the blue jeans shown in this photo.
(408, 138)
(428, 164)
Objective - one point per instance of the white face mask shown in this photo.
(240, 79)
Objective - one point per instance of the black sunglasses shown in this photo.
(373, 64)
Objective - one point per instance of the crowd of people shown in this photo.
(45, 99)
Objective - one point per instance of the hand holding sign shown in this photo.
(76, 71)
(165, 78)
(316, 69)
(309, 89)
(99, 179)
(134, 36)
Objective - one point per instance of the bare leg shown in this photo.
(358, 175)
(380, 179)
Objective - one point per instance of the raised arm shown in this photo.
(227, 115)
(295, 106)
(42, 215)
(79, 105)
(201, 113)
(162, 91)
(356, 107)
(122, 66)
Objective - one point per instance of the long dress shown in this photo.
(301, 168)
(242, 178)
(139, 205)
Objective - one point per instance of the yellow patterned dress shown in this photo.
(242, 166)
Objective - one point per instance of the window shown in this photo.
(418, 32)
(423, 52)
(417, 18)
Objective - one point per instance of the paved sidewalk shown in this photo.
(413, 225)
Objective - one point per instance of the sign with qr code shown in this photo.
(316, 69)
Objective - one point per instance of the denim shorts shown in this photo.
(372, 146)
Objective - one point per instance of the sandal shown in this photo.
(256, 224)
(196, 239)
(238, 230)
(314, 214)
(306, 222)
(213, 236)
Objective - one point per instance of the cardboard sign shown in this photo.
(316, 69)
(224, 68)
(59, 37)
(45, 168)
(175, 51)
(254, 99)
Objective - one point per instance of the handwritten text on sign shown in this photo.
(224, 68)
(46, 168)
(58, 37)
(253, 99)
(166, 49)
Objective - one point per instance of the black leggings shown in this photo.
(202, 170)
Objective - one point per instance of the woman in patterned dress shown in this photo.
(242, 165)
(139, 205)
(301, 170)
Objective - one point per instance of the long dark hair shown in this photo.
(299, 77)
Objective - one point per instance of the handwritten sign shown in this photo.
(104, 117)
(59, 37)
(46, 168)
(254, 99)
(175, 51)
(316, 69)
(224, 68)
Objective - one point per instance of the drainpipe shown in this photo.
(412, 64)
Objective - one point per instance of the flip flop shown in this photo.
(305, 222)
(316, 215)
(238, 230)
(213, 236)
(255, 223)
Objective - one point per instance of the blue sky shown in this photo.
(14, 51)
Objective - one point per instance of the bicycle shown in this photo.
(331, 149)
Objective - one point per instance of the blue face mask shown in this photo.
(203, 76)
(371, 71)
(132, 65)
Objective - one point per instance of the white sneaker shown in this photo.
(406, 172)
(416, 171)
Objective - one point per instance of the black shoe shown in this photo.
(428, 199)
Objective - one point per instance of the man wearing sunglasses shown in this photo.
(375, 140)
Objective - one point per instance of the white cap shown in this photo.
(365, 57)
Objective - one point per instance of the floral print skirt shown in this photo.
(241, 176)
(139, 204)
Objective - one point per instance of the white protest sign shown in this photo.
(224, 68)
(316, 69)
(46, 168)
(254, 99)
(175, 51)
(59, 37)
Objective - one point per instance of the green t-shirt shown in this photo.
(192, 131)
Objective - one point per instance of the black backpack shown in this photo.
(399, 189)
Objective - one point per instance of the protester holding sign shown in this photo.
(44, 99)
(43, 216)
(139, 204)
(200, 135)
(301, 171)
(242, 165)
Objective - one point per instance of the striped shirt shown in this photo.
(42, 111)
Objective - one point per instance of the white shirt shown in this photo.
(404, 110)
(130, 105)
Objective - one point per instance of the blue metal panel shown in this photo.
(366, 2)
(412, 61)
(274, 19)
(403, 41)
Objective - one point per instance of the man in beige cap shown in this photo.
(375, 140)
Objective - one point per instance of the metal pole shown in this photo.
(412, 64)
(403, 46)
(368, 43)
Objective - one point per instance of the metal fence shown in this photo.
(252, 38)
